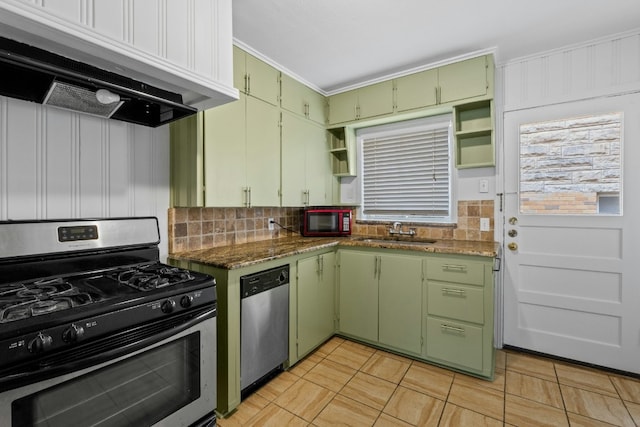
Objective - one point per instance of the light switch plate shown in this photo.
(484, 224)
(484, 186)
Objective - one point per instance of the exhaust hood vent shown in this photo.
(33, 74)
(75, 98)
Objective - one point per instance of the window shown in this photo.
(406, 170)
(572, 166)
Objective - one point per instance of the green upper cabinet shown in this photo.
(186, 173)
(464, 79)
(366, 102)
(471, 79)
(225, 138)
(316, 301)
(242, 154)
(306, 168)
(302, 100)
(255, 77)
(417, 90)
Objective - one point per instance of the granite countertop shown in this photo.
(246, 254)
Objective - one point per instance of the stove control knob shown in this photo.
(40, 343)
(168, 306)
(186, 301)
(73, 334)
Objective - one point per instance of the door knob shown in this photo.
(512, 233)
(513, 220)
(512, 246)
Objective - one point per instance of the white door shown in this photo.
(570, 288)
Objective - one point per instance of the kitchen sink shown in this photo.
(392, 240)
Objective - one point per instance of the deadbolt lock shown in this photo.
(512, 233)
(512, 246)
(513, 220)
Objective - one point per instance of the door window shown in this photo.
(572, 166)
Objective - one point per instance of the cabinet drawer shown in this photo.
(456, 302)
(456, 270)
(454, 343)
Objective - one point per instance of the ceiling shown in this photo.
(333, 45)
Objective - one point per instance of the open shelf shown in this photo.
(474, 135)
(342, 151)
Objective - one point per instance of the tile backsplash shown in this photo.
(201, 228)
(466, 228)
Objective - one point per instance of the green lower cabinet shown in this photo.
(458, 319)
(316, 302)
(358, 279)
(434, 307)
(400, 309)
(454, 344)
(380, 299)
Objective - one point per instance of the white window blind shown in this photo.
(406, 172)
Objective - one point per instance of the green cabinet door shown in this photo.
(263, 153)
(225, 154)
(358, 294)
(306, 167)
(316, 106)
(343, 107)
(316, 296)
(293, 146)
(400, 293)
(255, 77)
(464, 79)
(319, 175)
(417, 90)
(186, 177)
(302, 100)
(375, 100)
(292, 95)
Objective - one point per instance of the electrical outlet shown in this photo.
(271, 222)
(484, 224)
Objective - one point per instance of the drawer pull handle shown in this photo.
(454, 292)
(447, 329)
(455, 267)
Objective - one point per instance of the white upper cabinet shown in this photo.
(184, 46)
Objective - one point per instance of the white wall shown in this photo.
(59, 164)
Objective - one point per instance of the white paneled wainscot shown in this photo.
(58, 164)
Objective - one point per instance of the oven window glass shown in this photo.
(138, 391)
(323, 221)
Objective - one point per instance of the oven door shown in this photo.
(171, 382)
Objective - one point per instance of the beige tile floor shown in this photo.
(344, 383)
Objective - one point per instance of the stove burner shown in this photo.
(20, 301)
(153, 276)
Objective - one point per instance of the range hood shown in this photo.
(33, 74)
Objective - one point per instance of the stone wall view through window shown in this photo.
(572, 166)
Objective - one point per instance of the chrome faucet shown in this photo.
(397, 229)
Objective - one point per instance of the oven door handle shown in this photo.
(101, 350)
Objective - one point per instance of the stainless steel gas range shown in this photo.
(95, 331)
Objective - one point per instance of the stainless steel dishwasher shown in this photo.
(264, 324)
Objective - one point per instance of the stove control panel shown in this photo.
(41, 343)
(78, 232)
